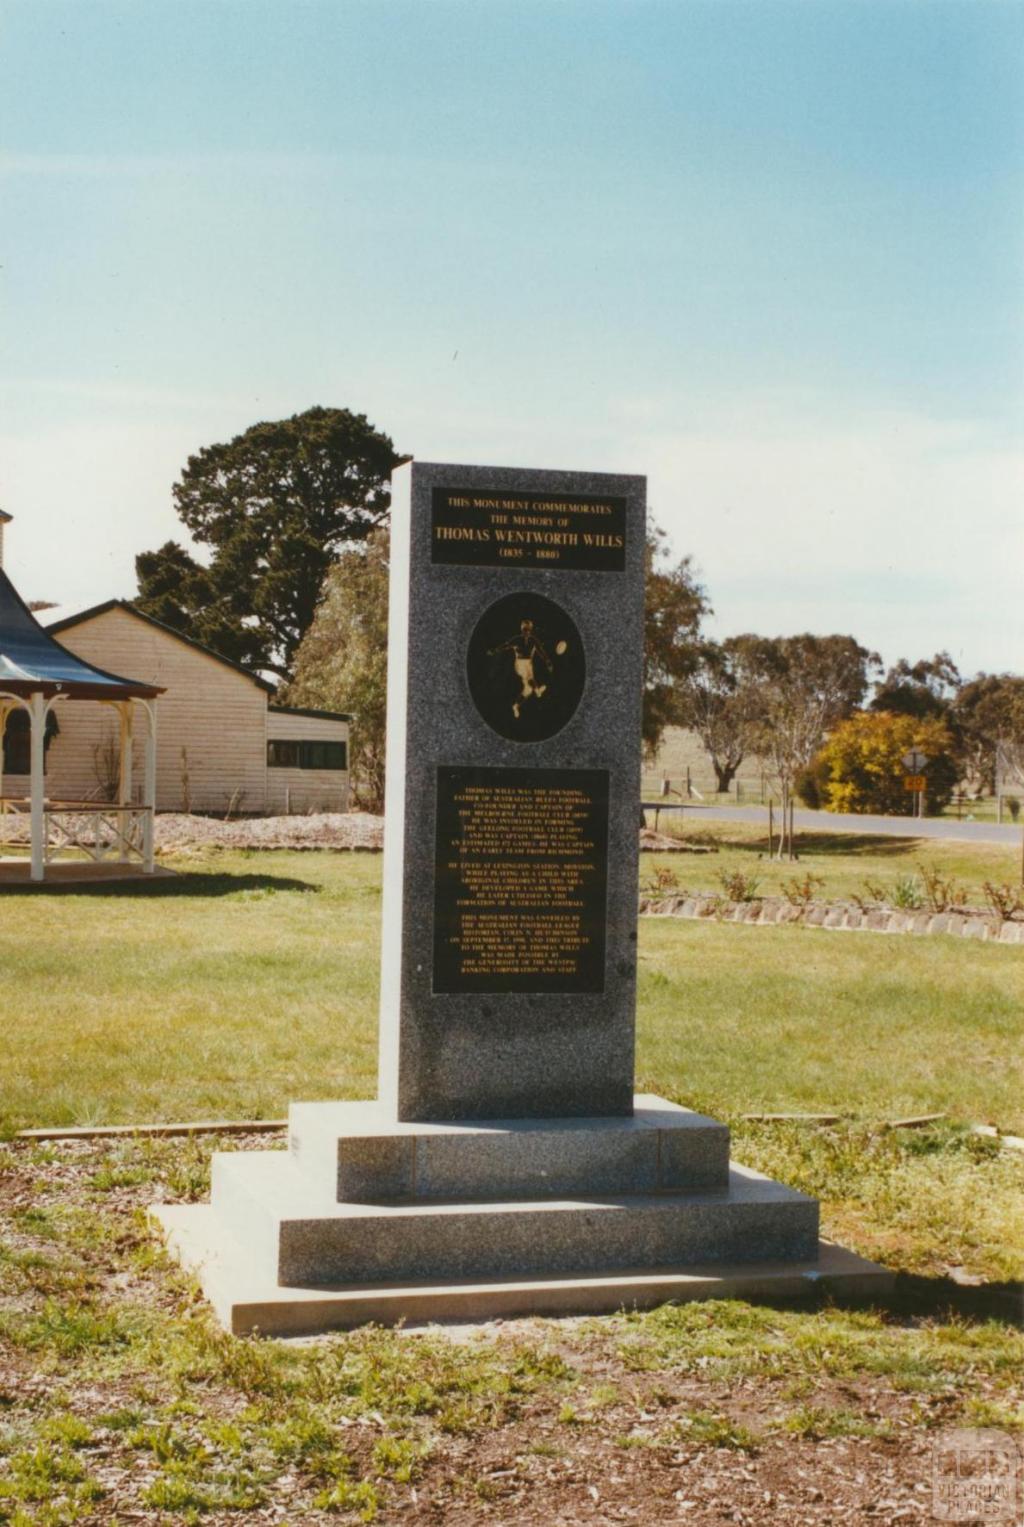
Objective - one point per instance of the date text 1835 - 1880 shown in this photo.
(472, 527)
(520, 880)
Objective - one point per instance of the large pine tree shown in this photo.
(275, 506)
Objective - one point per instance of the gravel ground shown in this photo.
(178, 833)
(352, 830)
(658, 843)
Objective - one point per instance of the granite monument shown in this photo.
(506, 1165)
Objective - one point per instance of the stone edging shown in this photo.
(771, 910)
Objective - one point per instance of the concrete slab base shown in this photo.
(366, 1218)
(247, 1299)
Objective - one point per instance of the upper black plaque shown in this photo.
(526, 667)
(474, 527)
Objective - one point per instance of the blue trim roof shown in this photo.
(30, 659)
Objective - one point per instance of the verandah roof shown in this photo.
(31, 662)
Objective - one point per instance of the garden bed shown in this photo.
(770, 911)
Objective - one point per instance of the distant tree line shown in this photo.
(293, 514)
(801, 705)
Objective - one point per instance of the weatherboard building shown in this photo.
(223, 745)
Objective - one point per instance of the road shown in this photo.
(833, 821)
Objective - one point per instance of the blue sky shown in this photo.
(768, 253)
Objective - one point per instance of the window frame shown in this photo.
(322, 755)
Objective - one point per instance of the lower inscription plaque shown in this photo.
(520, 880)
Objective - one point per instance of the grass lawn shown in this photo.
(739, 1019)
(253, 980)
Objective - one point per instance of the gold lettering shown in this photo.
(461, 533)
(525, 862)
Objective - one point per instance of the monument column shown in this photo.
(513, 778)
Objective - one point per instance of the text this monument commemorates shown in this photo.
(506, 1165)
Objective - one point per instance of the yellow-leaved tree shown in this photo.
(861, 769)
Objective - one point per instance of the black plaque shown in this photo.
(475, 527)
(526, 667)
(520, 880)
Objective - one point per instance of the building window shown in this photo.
(307, 755)
(322, 755)
(283, 755)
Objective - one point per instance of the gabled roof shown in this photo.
(78, 619)
(5, 518)
(31, 662)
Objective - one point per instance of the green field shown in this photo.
(753, 793)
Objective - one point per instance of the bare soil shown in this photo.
(652, 842)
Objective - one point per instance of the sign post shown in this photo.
(914, 762)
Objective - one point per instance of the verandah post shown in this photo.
(37, 709)
(149, 788)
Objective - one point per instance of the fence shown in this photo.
(702, 788)
(99, 831)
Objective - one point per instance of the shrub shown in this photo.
(907, 893)
(800, 893)
(738, 886)
(942, 895)
(1005, 901)
(662, 879)
(811, 784)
